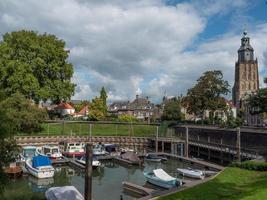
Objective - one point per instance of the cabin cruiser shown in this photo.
(192, 173)
(99, 150)
(160, 178)
(95, 162)
(52, 152)
(40, 167)
(27, 153)
(71, 149)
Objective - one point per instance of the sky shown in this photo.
(147, 47)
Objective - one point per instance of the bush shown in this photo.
(251, 165)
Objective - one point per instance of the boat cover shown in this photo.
(190, 172)
(66, 193)
(161, 174)
(129, 155)
(38, 161)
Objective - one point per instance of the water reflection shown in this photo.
(107, 180)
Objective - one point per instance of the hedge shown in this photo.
(251, 165)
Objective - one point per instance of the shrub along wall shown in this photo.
(252, 165)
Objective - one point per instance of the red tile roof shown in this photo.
(63, 106)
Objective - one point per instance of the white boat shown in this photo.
(153, 157)
(192, 173)
(71, 149)
(52, 152)
(65, 192)
(27, 153)
(95, 163)
(99, 150)
(40, 167)
(160, 178)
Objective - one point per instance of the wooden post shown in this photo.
(186, 142)
(88, 172)
(157, 138)
(238, 144)
(162, 146)
(90, 133)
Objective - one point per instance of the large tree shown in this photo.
(104, 96)
(172, 110)
(20, 115)
(207, 94)
(97, 109)
(35, 65)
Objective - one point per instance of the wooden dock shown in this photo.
(62, 161)
(140, 190)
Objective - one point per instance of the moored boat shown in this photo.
(153, 157)
(27, 153)
(71, 149)
(99, 150)
(95, 163)
(160, 178)
(40, 167)
(65, 192)
(192, 173)
(130, 157)
(52, 152)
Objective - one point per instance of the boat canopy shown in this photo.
(161, 174)
(39, 161)
(66, 193)
(110, 147)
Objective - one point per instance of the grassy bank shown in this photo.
(97, 129)
(233, 183)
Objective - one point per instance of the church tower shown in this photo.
(246, 72)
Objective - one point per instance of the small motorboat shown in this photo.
(96, 163)
(71, 149)
(155, 158)
(99, 150)
(40, 167)
(192, 173)
(27, 153)
(160, 178)
(52, 152)
(65, 192)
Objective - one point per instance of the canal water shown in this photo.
(107, 180)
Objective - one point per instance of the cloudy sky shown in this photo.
(150, 46)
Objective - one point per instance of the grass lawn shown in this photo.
(97, 129)
(231, 184)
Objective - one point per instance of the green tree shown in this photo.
(207, 94)
(172, 110)
(97, 109)
(36, 66)
(258, 102)
(80, 106)
(127, 118)
(22, 114)
(104, 96)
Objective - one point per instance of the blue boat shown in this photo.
(160, 178)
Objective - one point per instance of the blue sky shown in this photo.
(149, 46)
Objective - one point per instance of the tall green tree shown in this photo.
(207, 94)
(35, 65)
(104, 96)
(21, 115)
(97, 109)
(258, 102)
(172, 110)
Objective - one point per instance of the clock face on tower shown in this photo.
(245, 41)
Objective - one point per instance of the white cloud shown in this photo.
(128, 45)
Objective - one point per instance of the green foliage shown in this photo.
(8, 150)
(127, 118)
(36, 66)
(251, 165)
(172, 110)
(80, 106)
(104, 96)
(21, 114)
(97, 109)
(207, 94)
(258, 102)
